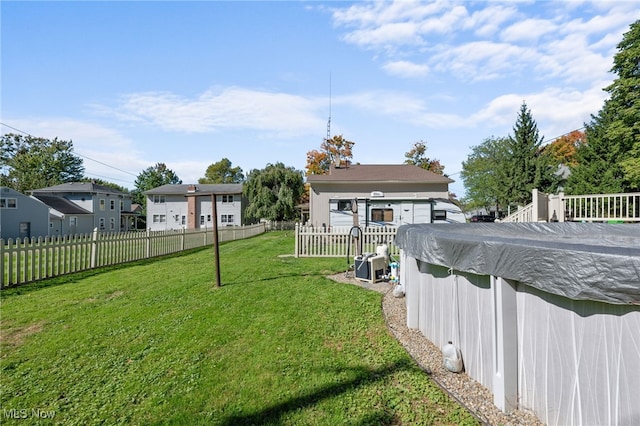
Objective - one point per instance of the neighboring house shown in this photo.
(190, 206)
(106, 206)
(385, 195)
(22, 216)
(133, 219)
(66, 217)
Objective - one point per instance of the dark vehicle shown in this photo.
(482, 218)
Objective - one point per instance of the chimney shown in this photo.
(192, 188)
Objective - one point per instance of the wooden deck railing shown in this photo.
(23, 261)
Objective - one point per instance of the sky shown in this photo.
(133, 84)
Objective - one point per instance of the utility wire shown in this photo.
(568, 133)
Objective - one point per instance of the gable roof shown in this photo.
(61, 204)
(379, 173)
(203, 189)
(79, 187)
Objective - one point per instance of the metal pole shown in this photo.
(215, 238)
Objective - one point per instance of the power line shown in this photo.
(568, 133)
(77, 153)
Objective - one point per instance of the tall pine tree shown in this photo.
(610, 160)
(529, 166)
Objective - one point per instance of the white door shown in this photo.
(406, 213)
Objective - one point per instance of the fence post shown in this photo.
(94, 247)
(182, 240)
(505, 347)
(148, 253)
(297, 249)
(1, 263)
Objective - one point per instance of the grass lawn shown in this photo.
(157, 343)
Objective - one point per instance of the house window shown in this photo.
(344, 205)
(102, 223)
(208, 218)
(112, 223)
(112, 204)
(121, 205)
(184, 220)
(439, 215)
(102, 204)
(8, 203)
(73, 220)
(226, 218)
(382, 215)
(202, 220)
(158, 199)
(227, 198)
(159, 218)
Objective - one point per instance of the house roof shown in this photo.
(83, 187)
(203, 189)
(61, 204)
(379, 173)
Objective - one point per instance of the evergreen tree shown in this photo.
(610, 160)
(529, 166)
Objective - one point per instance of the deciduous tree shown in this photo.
(331, 150)
(27, 162)
(153, 177)
(222, 172)
(564, 150)
(273, 192)
(483, 174)
(417, 156)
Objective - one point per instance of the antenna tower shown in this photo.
(329, 121)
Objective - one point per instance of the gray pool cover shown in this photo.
(581, 261)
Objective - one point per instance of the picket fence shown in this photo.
(45, 257)
(340, 242)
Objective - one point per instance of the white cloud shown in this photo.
(380, 13)
(384, 35)
(230, 108)
(528, 30)
(487, 22)
(406, 69)
(562, 41)
(556, 110)
(483, 60)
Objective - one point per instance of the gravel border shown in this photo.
(465, 390)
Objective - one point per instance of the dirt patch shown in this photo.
(15, 336)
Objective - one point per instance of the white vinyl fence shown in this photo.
(27, 260)
(341, 242)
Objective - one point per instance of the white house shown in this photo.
(382, 195)
(22, 216)
(190, 206)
